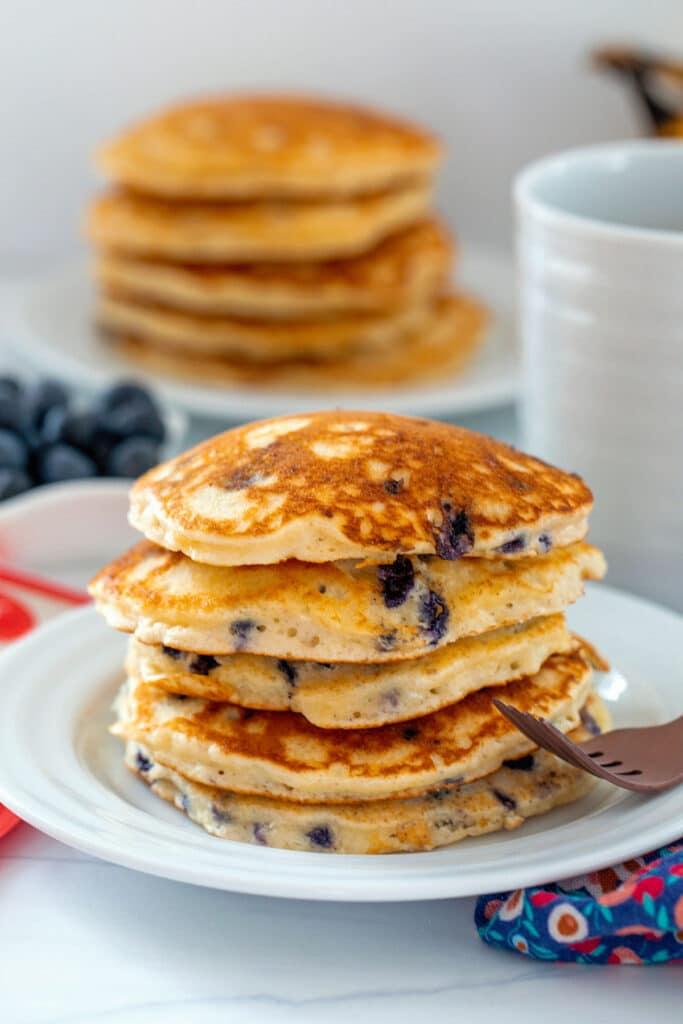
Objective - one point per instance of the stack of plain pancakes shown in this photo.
(321, 614)
(278, 240)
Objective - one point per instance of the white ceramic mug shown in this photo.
(600, 257)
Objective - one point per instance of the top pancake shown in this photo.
(326, 486)
(247, 146)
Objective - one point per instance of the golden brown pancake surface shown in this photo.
(355, 696)
(405, 269)
(518, 790)
(260, 341)
(279, 753)
(241, 145)
(333, 611)
(325, 486)
(257, 230)
(431, 353)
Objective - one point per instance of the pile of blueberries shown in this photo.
(45, 437)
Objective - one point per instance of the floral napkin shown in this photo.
(629, 914)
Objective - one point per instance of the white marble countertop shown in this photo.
(84, 941)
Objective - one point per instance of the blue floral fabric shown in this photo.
(629, 914)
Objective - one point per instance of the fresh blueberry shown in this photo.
(202, 664)
(100, 446)
(511, 547)
(397, 580)
(75, 428)
(9, 386)
(52, 427)
(434, 616)
(12, 482)
(507, 801)
(122, 393)
(13, 450)
(133, 457)
(61, 425)
(13, 411)
(456, 536)
(80, 430)
(43, 396)
(62, 462)
(521, 764)
(321, 836)
(135, 418)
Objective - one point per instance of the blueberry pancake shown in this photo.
(355, 696)
(279, 753)
(334, 611)
(407, 269)
(259, 341)
(289, 146)
(326, 486)
(322, 613)
(252, 231)
(521, 788)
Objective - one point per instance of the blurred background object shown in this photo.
(279, 240)
(601, 306)
(655, 81)
(501, 83)
(50, 436)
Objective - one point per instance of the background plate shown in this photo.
(62, 772)
(49, 323)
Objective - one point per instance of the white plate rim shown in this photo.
(484, 269)
(269, 872)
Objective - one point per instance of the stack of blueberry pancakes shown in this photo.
(321, 614)
(278, 239)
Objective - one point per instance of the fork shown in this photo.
(646, 760)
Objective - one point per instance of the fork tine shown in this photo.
(548, 736)
(532, 727)
(644, 760)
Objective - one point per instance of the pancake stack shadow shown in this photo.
(321, 614)
(279, 241)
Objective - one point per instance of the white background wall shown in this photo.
(502, 80)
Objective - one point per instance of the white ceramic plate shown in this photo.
(62, 772)
(50, 324)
